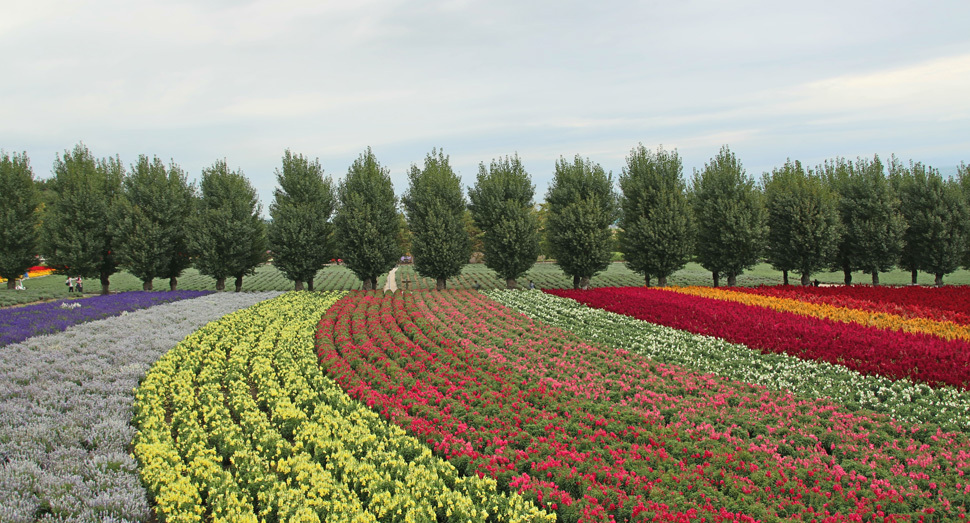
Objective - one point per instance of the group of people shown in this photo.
(74, 284)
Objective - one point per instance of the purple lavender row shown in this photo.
(20, 323)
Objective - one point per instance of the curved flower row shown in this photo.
(904, 401)
(823, 311)
(19, 323)
(65, 411)
(895, 355)
(238, 424)
(598, 434)
(34, 272)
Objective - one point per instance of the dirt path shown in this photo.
(391, 284)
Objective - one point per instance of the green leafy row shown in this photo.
(237, 423)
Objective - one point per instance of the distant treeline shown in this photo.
(97, 216)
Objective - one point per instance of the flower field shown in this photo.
(599, 434)
(676, 404)
(20, 323)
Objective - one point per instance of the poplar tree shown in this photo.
(19, 217)
(936, 218)
(367, 224)
(301, 233)
(582, 208)
(434, 205)
(872, 227)
(501, 204)
(730, 217)
(229, 237)
(803, 221)
(77, 238)
(151, 221)
(656, 235)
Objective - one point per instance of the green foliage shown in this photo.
(151, 221)
(936, 217)
(730, 217)
(501, 204)
(19, 217)
(367, 224)
(301, 234)
(76, 238)
(582, 206)
(434, 205)
(657, 233)
(872, 228)
(803, 221)
(229, 237)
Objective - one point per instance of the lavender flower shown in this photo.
(19, 323)
(65, 411)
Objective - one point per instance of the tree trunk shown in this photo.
(914, 276)
(298, 285)
(847, 275)
(147, 285)
(647, 277)
(939, 279)
(784, 276)
(717, 278)
(575, 282)
(510, 283)
(805, 279)
(368, 285)
(441, 284)
(309, 284)
(11, 284)
(173, 283)
(373, 284)
(105, 284)
(584, 282)
(875, 278)
(732, 280)
(239, 283)
(220, 284)
(661, 281)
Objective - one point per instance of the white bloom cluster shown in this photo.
(70, 305)
(904, 401)
(66, 407)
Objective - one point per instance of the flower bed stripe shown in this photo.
(604, 435)
(946, 304)
(65, 411)
(905, 401)
(238, 424)
(880, 320)
(19, 323)
(895, 355)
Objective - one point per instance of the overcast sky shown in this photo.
(200, 81)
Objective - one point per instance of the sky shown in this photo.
(195, 82)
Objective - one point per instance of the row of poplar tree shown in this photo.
(94, 217)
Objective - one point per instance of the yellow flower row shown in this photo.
(238, 423)
(34, 274)
(882, 320)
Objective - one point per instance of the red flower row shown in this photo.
(950, 303)
(603, 435)
(896, 355)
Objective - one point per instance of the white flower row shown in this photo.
(904, 401)
(66, 407)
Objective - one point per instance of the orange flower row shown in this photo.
(881, 320)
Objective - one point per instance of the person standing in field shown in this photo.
(70, 284)
(80, 285)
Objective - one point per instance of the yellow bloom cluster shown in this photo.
(237, 423)
(882, 320)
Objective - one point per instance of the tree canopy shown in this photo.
(19, 218)
(582, 208)
(656, 230)
(501, 203)
(367, 223)
(434, 205)
(301, 233)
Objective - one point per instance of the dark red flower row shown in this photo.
(869, 350)
(598, 434)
